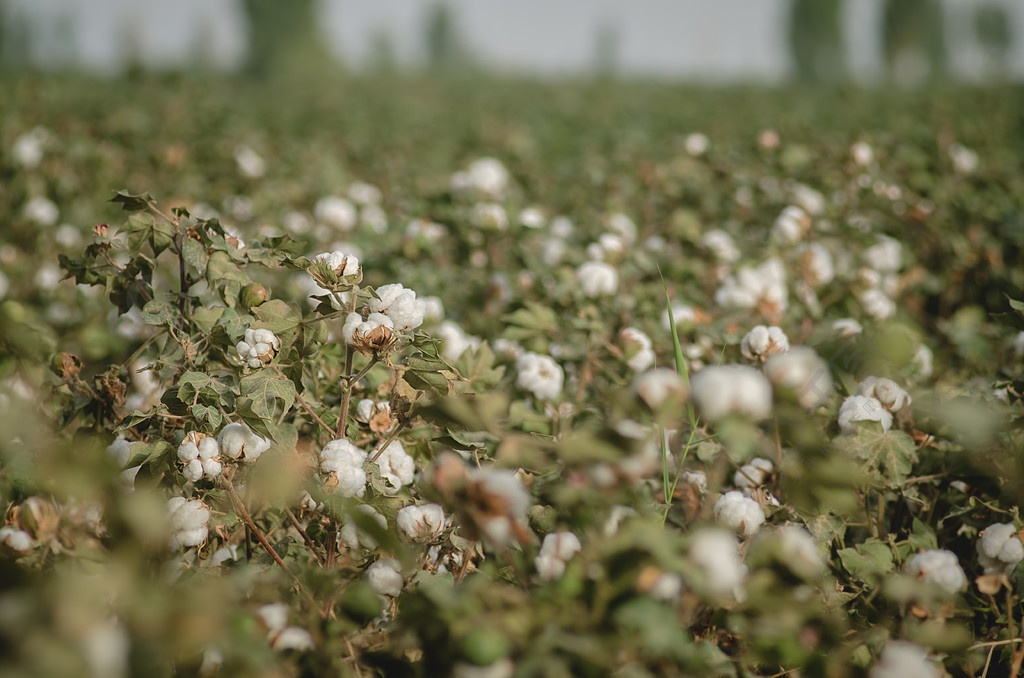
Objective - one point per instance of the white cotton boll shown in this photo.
(812, 201)
(385, 577)
(741, 389)
(753, 475)
(939, 567)
(790, 226)
(763, 341)
(503, 668)
(716, 552)
(342, 263)
(696, 144)
(549, 568)
(224, 554)
(862, 153)
(127, 477)
(374, 218)
(622, 225)
(47, 277)
(506, 487)
(540, 375)
(876, 304)
(488, 177)
(212, 468)
(682, 314)
(817, 265)
(636, 349)
(193, 470)
(190, 515)
(1018, 344)
(105, 646)
(721, 245)
(355, 538)
(885, 391)
(862, 408)
(396, 467)
(338, 213)
(208, 448)
(617, 514)
(657, 386)
(900, 659)
(454, 341)
(237, 440)
(597, 279)
(363, 193)
(561, 227)
(433, 309)
(292, 638)
(885, 255)
(965, 161)
(42, 211)
(489, 216)
(250, 164)
(29, 147)
(739, 512)
(15, 539)
(120, 450)
(400, 305)
(193, 537)
(752, 287)
(351, 481)
(799, 547)
(561, 545)
(803, 372)
(612, 245)
(532, 217)
(188, 450)
(374, 332)
(922, 361)
(421, 523)
(698, 480)
(999, 548)
(847, 327)
(364, 410)
(274, 615)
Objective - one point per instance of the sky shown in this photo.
(722, 40)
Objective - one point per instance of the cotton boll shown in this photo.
(597, 279)
(965, 161)
(847, 327)
(41, 211)
(212, 468)
(532, 217)
(900, 659)
(739, 512)
(193, 470)
(816, 264)
(885, 255)
(922, 361)
(763, 341)
(561, 545)
(454, 341)
(506, 502)
(636, 349)
(721, 245)
(802, 372)
(791, 226)
(728, 389)
(396, 467)
(683, 315)
(337, 213)
(540, 375)
(258, 347)
(274, 616)
(862, 408)
(400, 305)
(292, 638)
(343, 462)
(369, 336)
(363, 193)
(121, 451)
(696, 144)
(250, 164)
(716, 553)
(799, 548)
(763, 287)
(489, 216)
(503, 668)
(208, 448)
(343, 264)
(223, 555)
(862, 153)
(886, 391)
(877, 304)
(660, 385)
(488, 177)
(811, 200)
(355, 538)
(623, 226)
(15, 539)
(28, 148)
(753, 475)
(999, 548)
(939, 567)
(385, 577)
(421, 523)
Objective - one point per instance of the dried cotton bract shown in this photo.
(862, 408)
(739, 512)
(555, 551)
(540, 375)
(1000, 548)
(373, 335)
(597, 279)
(802, 372)
(258, 347)
(939, 567)
(342, 264)
(885, 391)
(740, 389)
(763, 341)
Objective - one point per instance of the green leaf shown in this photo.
(867, 560)
(206, 318)
(195, 256)
(262, 390)
(136, 417)
(159, 313)
(886, 457)
(209, 414)
(427, 381)
(132, 202)
(277, 316)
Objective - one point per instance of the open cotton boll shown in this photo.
(877, 303)
(258, 347)
(400, 305)
(939, 567)
(274, 615)
(292, 638)
(250, 164)
(791, 225)
(504, 501)
(885, 255)
(739, 512)
(532, 217)
(343, 462)
(488, 177)
(237, 440)
(597, 279)
(885, 391)
(338, 213)
(847, 327)
(717, 554)
(816, 264)
(121, 451)
(489, 216)
(763, 287)
(802, 372)
(862, 408)
(193, 470)
(42, 211)
(721, 245)
(622, 225)
(355, 538)
(343, 264)
(727, 389)
(763, 341)
(555, 551)
(862, 153)
(396, 467)
(660, 385)
(540, 375)
(999, 548)
(421, 523)
(683, 315)
(696, 144)
(385, 577)
(368, 336)
(636, 349)
(455, 341)
(363, 193)
(900, 659)
(15, 539)
(753, 475)
(800, 549)
(188, 521)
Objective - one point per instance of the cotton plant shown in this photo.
(188, 520)
(859, 408)
(637, 349)
(540, 375)
(199, 455)
(597, 279)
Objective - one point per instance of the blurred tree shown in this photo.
(606, 50)
(914, 40)
(816, 40)
(994, 34)
(382, 52)
(283, 37)
(444, 47)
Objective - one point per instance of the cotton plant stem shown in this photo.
(390, 439)
(305, 537)
(311, 413)
(240, 507)
(350, 354)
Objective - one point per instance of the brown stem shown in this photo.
(390, 439)
(1017, 654)
(311, 413)
(305, 537)
(240, 507)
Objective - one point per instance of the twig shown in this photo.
(350, 354)
(305, 537)
(311, 413)
(390, 439)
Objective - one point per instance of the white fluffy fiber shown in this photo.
(885, 391)
(717, 554)
(385, 577)
(400, 305)
(803, 372)
(939, 567)
(422, 523)
(555, 551)
(900, 659)
(739, 512)
(741, 389)
(540, 375)
(345, 461)
(999, 548)
(237, 440)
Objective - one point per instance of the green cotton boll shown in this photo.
(484, 646)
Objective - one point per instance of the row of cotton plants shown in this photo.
(466, 426)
